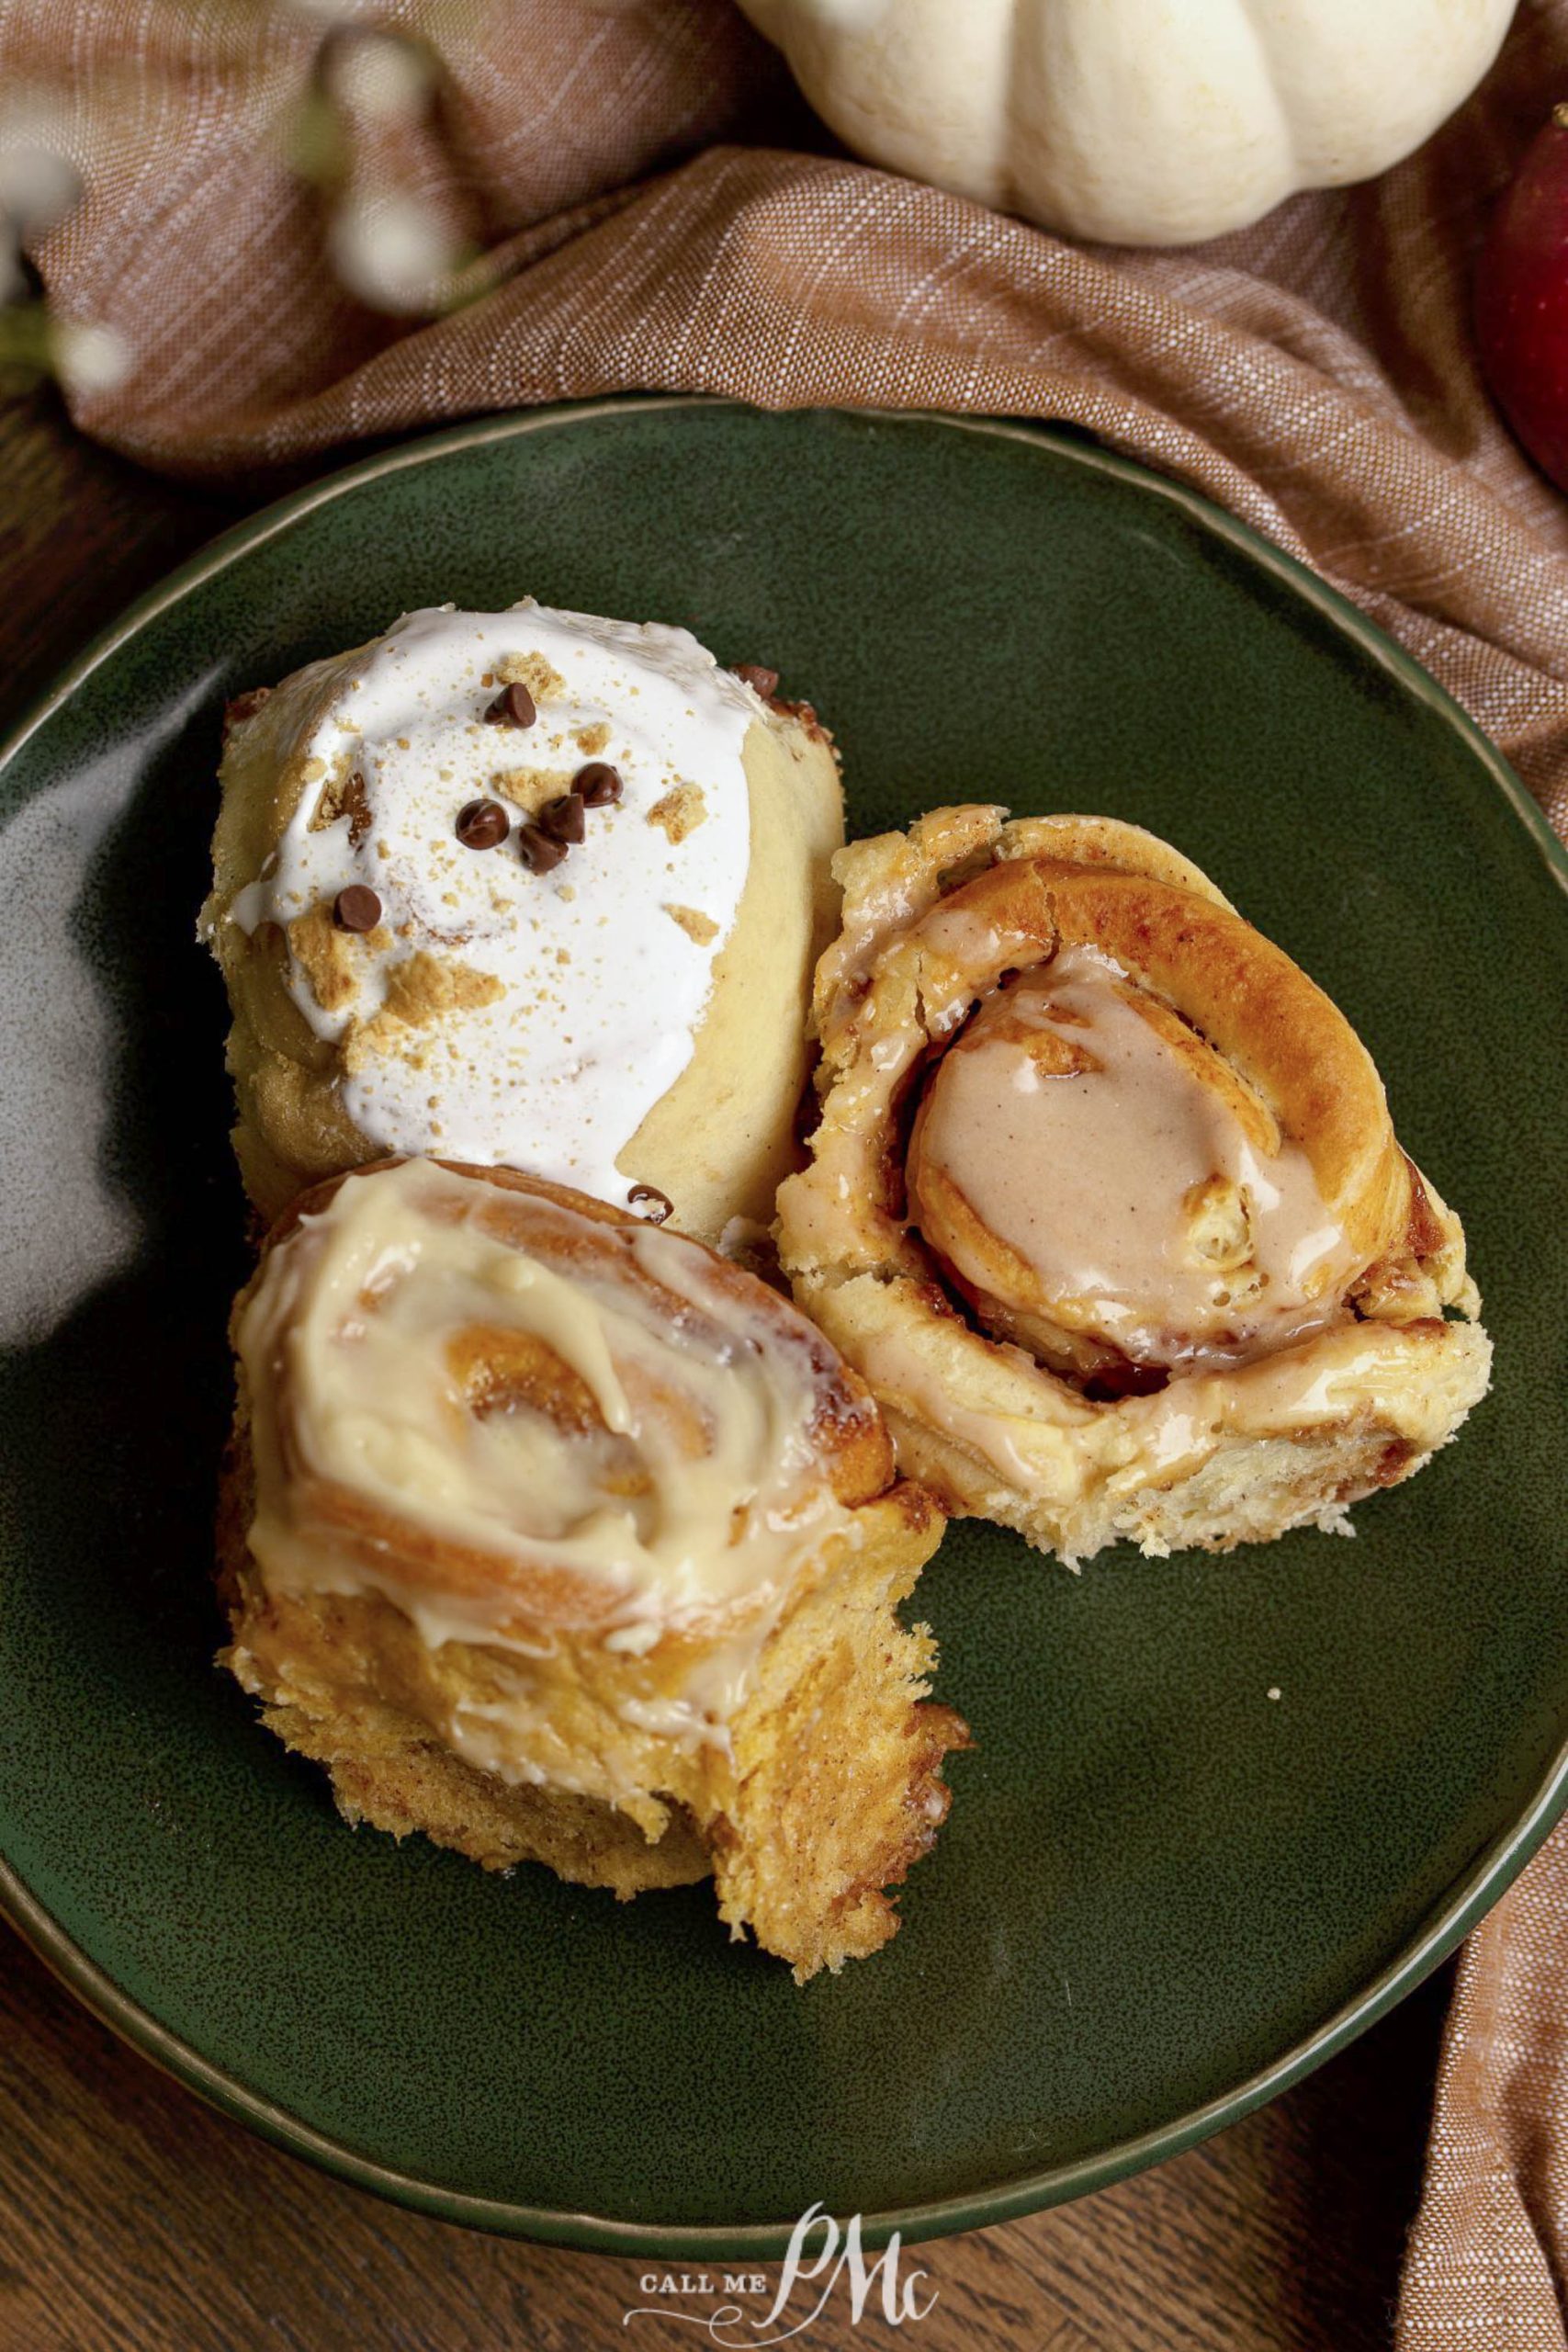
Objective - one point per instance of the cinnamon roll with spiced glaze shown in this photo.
(560, 1538)
(1105, 1201)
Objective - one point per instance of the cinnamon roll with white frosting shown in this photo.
(1105, 1200)
(560, 1538)
(529, 889)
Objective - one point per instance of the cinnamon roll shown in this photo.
(529, 889)
(560, 1538)
(1105, 1201)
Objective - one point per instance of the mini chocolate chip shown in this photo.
(564, 819)
(537, 851)
(482, 824)
(514, 707)
(758, 676)
(649, 1203)
(356, 909)
(598, 784)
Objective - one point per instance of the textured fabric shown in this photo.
(1487, 2265)
(1315, 375)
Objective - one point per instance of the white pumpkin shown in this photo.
(1153, 122)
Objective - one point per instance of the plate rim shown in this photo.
(1469, 1898)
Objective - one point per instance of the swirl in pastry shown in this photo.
(559, 1537)
(1105, 1200)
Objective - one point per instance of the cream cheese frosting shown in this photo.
(463, 1404)
(490, 1012)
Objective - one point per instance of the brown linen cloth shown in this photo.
(1315, 374)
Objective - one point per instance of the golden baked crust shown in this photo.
(716, 1143)
(1021, 1413)
(829, 1787)
(720, 1143)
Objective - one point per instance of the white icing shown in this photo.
(696, 1484)
(601, 990)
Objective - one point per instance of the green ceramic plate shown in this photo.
(1164, 1892)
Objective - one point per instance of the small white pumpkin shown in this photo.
(1155, 123)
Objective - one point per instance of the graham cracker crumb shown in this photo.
(424, 986)
(420, 990)
(331, 959)
(697, 926)
(593, 738)
(530, 788)
(531, 670)
(681, 811)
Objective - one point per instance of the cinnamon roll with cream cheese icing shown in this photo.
(529, 889)
(560, 1538)
(1105, 1201)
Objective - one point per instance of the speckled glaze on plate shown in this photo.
(1163, 1892)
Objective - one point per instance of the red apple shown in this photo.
(1521, 301)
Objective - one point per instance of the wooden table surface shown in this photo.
(135, 2220)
